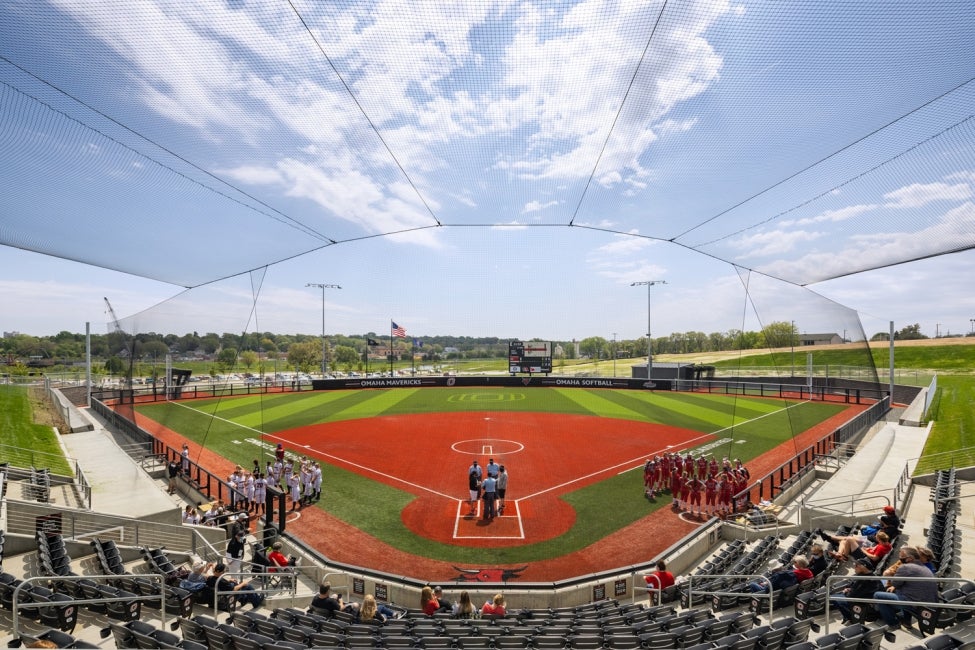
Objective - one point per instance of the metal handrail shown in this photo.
(905, 603)
(744, 577)
(84, 601)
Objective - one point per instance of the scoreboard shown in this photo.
(531, 357)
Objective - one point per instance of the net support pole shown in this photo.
(890, 363)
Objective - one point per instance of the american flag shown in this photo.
(398, 331)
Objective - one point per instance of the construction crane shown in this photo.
(111, 313)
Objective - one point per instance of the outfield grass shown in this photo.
(24, 443)
(952, 441)
(751, 426)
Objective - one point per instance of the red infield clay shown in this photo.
(564, 445)
(546, 455)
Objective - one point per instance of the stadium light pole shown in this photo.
(323, 287)
(649, 285)
(614, 355)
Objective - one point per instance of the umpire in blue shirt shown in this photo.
(490, 496)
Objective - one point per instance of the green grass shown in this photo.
(943, 358)
(753, 425)
(26, 444)
(952, 440)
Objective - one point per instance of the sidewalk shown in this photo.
(118, 485)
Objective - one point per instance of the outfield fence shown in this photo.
(821, 388)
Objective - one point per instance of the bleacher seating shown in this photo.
(39, 486)
(942, 533)
(52, 555)
(158, 562)
(713, 621)
(60, 639)
(109, 558)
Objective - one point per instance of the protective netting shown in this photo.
(195, 142)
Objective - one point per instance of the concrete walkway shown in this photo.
(869, 481)
(119, 485)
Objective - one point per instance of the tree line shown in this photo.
(305, 350)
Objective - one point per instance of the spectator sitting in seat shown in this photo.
(196, 580)
(326, 603)
(903, 591)
(782, 577)
(859, 589)
(661, 578)
(494, 607)
(817, 559)
(276, 558)
(428, 601)
(242, 590)
(889, 523)
(464, 608)
(926, 556)
(372, 611)
(859, 547)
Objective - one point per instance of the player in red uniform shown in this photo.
(725, 492)
(710, 494)
(685, 490)
(676, 483)
(713, 466)
(695, 487)
(702, 467)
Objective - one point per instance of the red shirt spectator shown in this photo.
(661, 578)
(276, 558)
(494, 607)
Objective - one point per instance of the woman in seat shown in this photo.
(859, 548)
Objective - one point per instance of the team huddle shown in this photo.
(698, 486)
(489, 484)
(301, 479)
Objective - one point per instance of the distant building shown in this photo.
(820, 339)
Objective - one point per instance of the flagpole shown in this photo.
(390, 347)
(413, 359)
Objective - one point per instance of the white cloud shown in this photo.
(535, 206)
(920, 194)
(511, 225)
(953, 231)
(773, 242)
(570, 133)
(831, 216)
(623, 259)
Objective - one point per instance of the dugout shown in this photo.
(672, 371)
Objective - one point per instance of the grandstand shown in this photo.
(105, 574)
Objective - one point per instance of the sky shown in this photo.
(505, 169)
